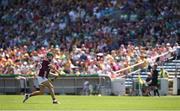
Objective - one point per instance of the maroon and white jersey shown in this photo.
(45, 69)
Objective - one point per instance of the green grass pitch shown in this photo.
(91, 103)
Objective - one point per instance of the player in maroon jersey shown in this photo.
(42, 78)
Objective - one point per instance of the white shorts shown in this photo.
(41, 79)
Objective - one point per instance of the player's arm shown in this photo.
(55, 70)
(54, 73)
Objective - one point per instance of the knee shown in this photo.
(51, 86)
(51, 89)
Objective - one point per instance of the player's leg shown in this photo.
(149, 90)
(156, 91)
(49, 85)
(40, 92)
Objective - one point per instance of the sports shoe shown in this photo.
(26, 96)
(55, 102)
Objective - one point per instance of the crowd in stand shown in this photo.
(81, 60)
(86, 36)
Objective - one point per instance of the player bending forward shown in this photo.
(43, 79)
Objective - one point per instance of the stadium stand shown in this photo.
(103, 37)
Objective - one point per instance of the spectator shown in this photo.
(76, 31)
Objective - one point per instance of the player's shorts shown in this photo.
(41, 79)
